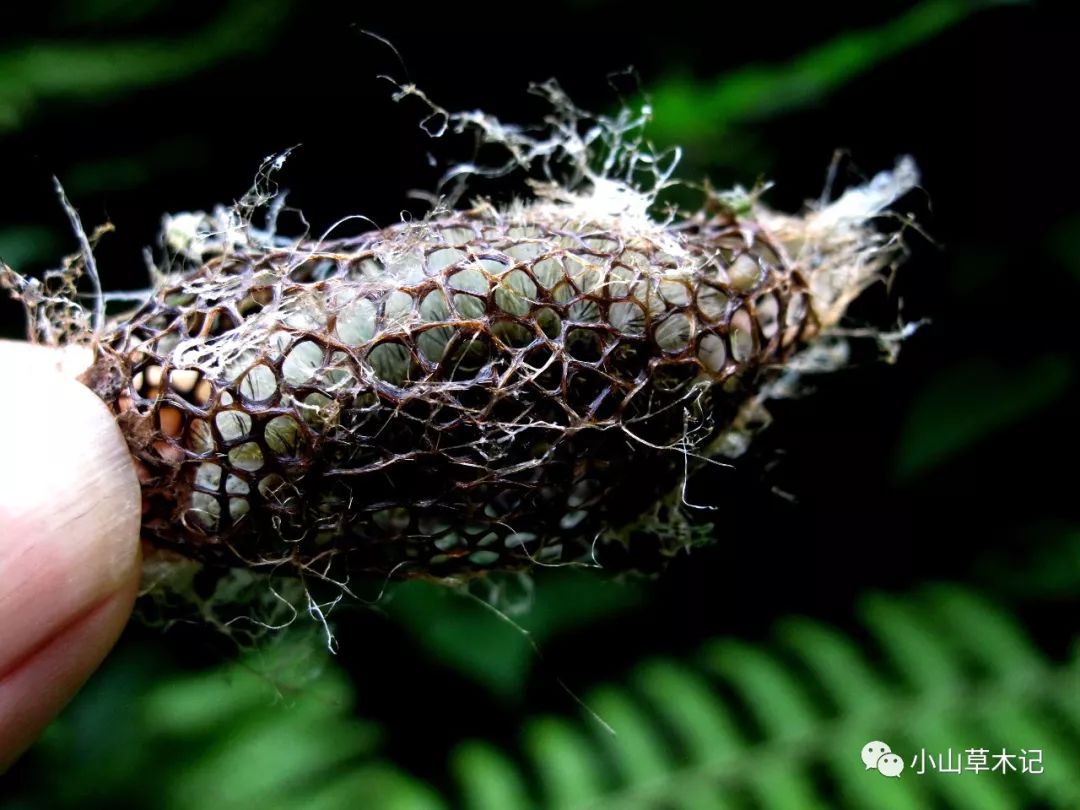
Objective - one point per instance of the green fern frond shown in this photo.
(782, 727)
(738, 725)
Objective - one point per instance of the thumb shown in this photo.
(69, 538)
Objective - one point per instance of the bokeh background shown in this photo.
(899, 558)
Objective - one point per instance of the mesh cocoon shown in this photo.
(486, 390)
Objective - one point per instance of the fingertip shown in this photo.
(69, 496)
(69, 540)
(35, 687)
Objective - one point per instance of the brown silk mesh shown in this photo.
(440, 399)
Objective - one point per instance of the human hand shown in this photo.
(69, 537)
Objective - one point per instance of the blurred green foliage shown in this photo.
(1064, 244)
(688, 111)
(810, 704)
(270, 731)
(735, 723)
(449, 624)
(969, 403)
(22, 244)
(42, 72)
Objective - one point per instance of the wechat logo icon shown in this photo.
(878, 756)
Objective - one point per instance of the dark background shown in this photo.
(953, 464)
